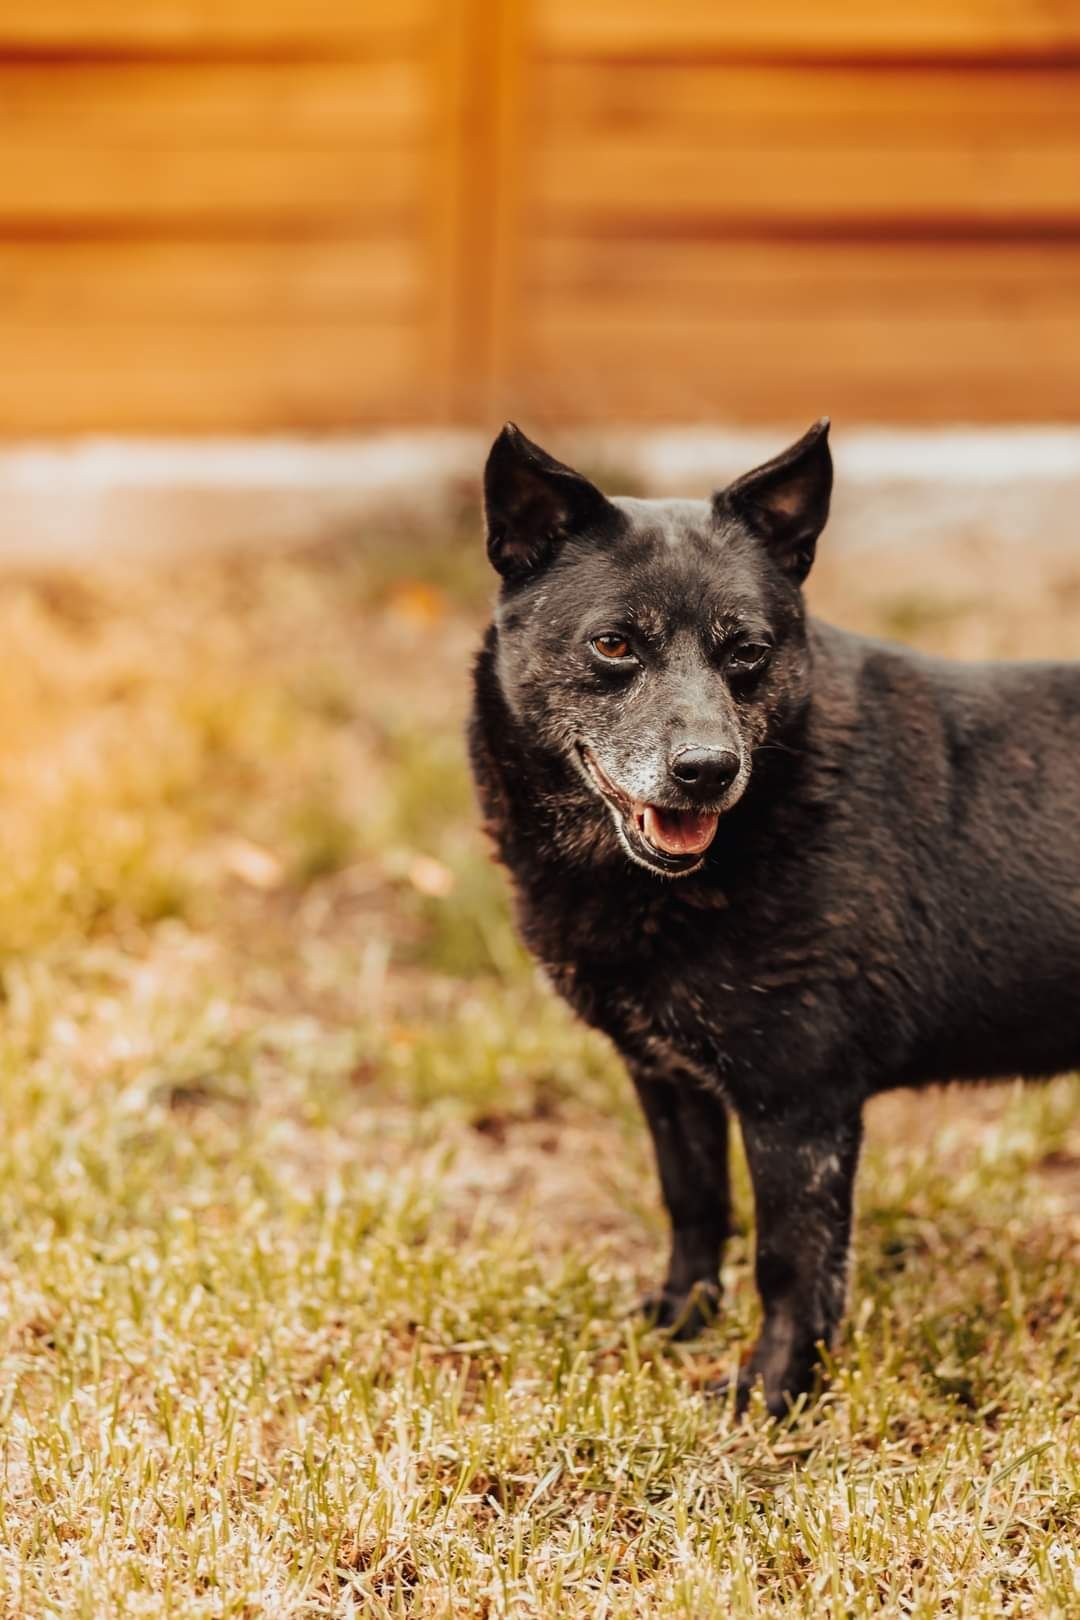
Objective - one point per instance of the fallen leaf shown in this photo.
(431, 877)
(418, 603)
(252, 865)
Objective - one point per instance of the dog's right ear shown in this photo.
(532, 503)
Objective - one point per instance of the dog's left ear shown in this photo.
(786, 501)
(532, 503)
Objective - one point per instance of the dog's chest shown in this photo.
(685, 989)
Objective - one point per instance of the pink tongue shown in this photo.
(678, 832)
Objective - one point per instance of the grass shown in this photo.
(322, 1223)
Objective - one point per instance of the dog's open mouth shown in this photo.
(676, 832)
(670, 841)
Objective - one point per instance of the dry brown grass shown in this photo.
(322, 1223)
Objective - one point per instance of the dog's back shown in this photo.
(954, 828)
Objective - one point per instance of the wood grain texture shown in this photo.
(126, 106)
(157, 142)
(248, 214)
(708, 144)
(785, 28)
(654, 331)
(84, 284)
(173, 375)
(218, 219)
(225, 24)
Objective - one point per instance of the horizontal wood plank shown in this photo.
(642, 272)
(646, 143)
(744, 213)
(658, 332)
(172, 24)
(86, 284)
(787, 28)
(202, 192)
(177, 376)
(217, 105)
(233, 142)
(786, 370)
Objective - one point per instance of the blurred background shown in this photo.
(249, 216)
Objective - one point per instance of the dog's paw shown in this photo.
(683, 1315)
(785, 1392)
(778, 1403)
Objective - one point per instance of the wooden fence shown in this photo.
(249, 215)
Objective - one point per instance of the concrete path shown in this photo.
(1021, 484)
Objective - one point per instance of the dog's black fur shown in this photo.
(891, 896)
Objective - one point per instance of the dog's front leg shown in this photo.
(689, 1129)
(803, 1173)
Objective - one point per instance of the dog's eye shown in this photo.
(747, 659)
(611, 646)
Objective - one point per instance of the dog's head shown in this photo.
(655, 646)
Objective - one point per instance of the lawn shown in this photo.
(323, 1223)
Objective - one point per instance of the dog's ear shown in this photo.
(786, 501)
(532, 502)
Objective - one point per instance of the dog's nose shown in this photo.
(709, 771)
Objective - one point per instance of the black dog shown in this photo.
(782, 866)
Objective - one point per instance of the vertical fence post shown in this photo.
(480, 65)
